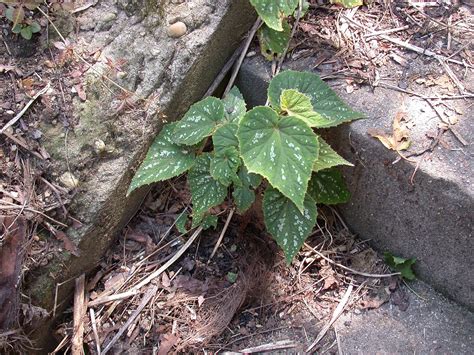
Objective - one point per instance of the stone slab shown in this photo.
(430, 219)
(167, 73)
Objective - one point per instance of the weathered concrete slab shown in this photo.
(168, 73)
(430, 219)
(432, 325)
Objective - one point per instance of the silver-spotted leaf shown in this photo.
(299, 105)
(225, 136)
(286, 223)
(209, 221)
(273, 42)
(243, 193)
(164, 160)
(281, 149)
(273, 12)
(224, 165)
(199, 122)
(206, 192)
(244, 197)
(323, 99)
(234, 105)
(328, 187)
(328, 157)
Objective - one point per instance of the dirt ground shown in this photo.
(245, 296)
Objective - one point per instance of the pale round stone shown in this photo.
(177, 29)
(69, 180)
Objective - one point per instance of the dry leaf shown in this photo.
(68, 244)
(399, 140)
(167, 342)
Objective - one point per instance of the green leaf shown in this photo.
(181, 223)
(403, 266)
(231, 277)
(273, 42)
(209, 221)
(224, 165)
(348, 3)
(17, 29)
(18, 16)
(225, 136)
(206, 192)
(35, 27)
(199, 122)
(164, 160)
(234, 105)
(26, 32)
(323, 99)
(328, 187)
(328, 157)
(9, 14)
(286, 223)
(249, 179)
(299, 105)
(243, 194)
(272, 12)
(281, 149)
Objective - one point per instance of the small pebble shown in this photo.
(99, 146)
(69, 180)
(177, 29)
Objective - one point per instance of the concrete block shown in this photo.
(430, 219)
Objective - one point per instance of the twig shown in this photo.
(148, 296)
(22, 112)
(14, 206)
(135, 289)
(225, 69)
(384, 32)
(293, 30)
(348, 268)
(453, 76)
(407, 45)
(77, 346)
(94, 330)
(445, 97)
(250, 37)
(337, 312)
(277, 345)
(23, 144)
(221, 236)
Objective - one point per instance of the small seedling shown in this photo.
(403, 266)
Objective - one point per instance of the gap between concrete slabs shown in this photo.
(430, 220)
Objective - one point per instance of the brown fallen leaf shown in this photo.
(68, 244)
(399, 139)
(167, 342)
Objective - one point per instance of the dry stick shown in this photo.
(219, 241)
(280, 344)
(453, 76)
(408, 45)
(225, 69)
(22, 144)
(337, 312)
(250, 37)
(94, 330)
(148, 296)
(348, 268)
(293, 30)
(22, 112)
(78, 319)
(384, 32)
(135, 289)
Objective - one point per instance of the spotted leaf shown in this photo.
(281, 149)
(199, 122)
(234, 105)
(206, 192)
(286, 223)
(273, 42)
(273, 12)
(299, 105)
(225, 136)
(224, 165)
(243, 194)
(164, 160)
(324, 100)
(348, 3)
(328, 187)
(328, 157)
